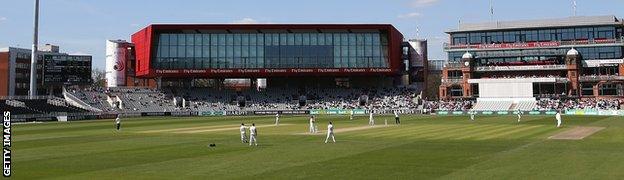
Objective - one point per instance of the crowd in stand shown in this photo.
(453, 105)
(144, 99)
(394, 98)
(601, 104)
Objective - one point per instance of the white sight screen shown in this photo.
(506, 90)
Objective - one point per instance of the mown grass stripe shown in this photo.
(378, 131)
(188, 128)
(530, 133)
(443, 132)
(402, 129)
(440, 128)
(489, 132)
(466, 131)
(512, 132)
(225, 129)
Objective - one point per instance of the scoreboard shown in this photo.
(64, 69)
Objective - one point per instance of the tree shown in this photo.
(433, 85)
(99, 77)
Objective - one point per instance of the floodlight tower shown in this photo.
(33, 55)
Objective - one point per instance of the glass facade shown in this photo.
(537, 35)
(270, 50)
(540, 35)
(587, 53)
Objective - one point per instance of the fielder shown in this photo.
(472, 115)
(118, 122)
(243, 133)
(351, 115)
(330, 132)
(277, 116)
(558, 117)
(252, 135)
(519, 113)
(312, 127)
(371, 121)
(396, 118)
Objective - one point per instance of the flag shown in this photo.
(491, 10)
(574, 5)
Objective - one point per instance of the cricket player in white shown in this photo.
(472, 115)
(252, 135)
(330, 132)
(519, 113)
(312, 127)
(351, 116)
(243, 132)
(371, 121)
(396, 118)
(118, 121)
(277, 119)
(558, 117)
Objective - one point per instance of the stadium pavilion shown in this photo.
(524, 60)
(289, 56)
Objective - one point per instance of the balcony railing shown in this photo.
(520, 68)
(600, 78)
(452, 80)
(532, 52)
(24, 97)
(453, 65)
(527, 45)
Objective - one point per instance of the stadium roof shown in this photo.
(541, 23)
(227, 28)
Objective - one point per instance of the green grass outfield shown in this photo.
(424, 147)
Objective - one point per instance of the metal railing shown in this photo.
(601, 78)
(24, 97)
(452, 80)
(453, 65)
(531, 52)
(524, 45)
(520, 68)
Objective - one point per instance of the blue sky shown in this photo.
(82, 26)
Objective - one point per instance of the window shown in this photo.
(531, 36)
(313, 38)
(544, 35)
(214, 39)
(253, 39)
(301, 50)
(510, 36)
(605, 33)
(290, 39)
(164, 39)
(181, 51)
(475, 38)
(581, 33)
(221, 40)
(567, 34)
(352, 39)
(190, 51)
(205, 39)
(181, 40)
(321, 39)
(245, 39)
(344, 39)
(190, 39)
(497, 37)
(485, 38)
